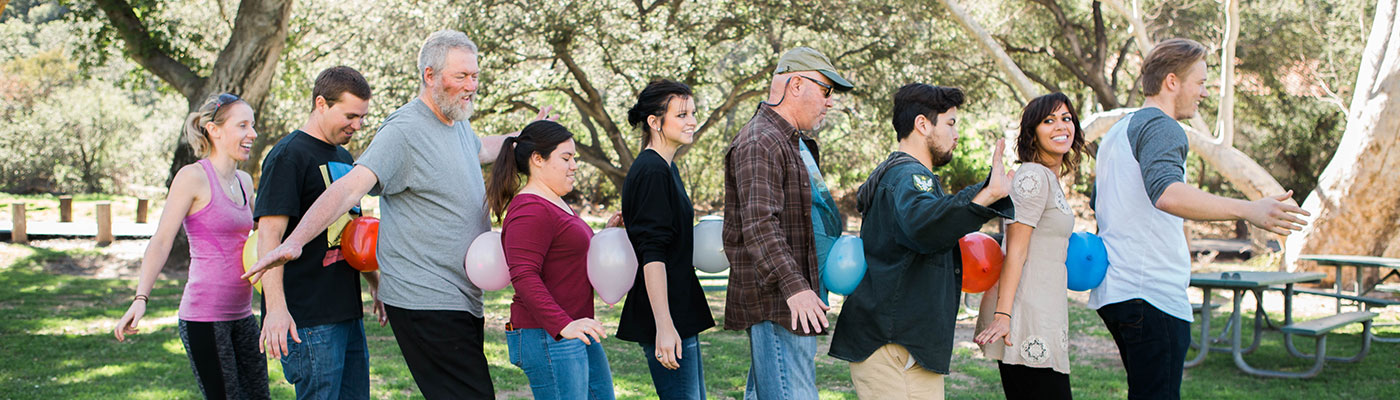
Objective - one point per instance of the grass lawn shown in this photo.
(56, 342)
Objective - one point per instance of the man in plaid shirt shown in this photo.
(768, 228)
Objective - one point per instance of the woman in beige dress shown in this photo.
(1024, 320)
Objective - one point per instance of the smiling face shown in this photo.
(678, 124)
(1054, 135)
(339, 122)
(1191, 89)
(234, 137)
(453, 88)
(557, 172)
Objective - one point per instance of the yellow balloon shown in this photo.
(250, 256)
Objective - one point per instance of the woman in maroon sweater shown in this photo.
(552, 335)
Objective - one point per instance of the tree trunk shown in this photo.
(1018, 78)
(244, 67)
(1353, 207)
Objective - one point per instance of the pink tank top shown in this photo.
(217, 232)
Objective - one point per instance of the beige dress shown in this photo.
(1040, 312)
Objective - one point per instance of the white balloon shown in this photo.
(612, 264)
(486, 262)
(708, 254)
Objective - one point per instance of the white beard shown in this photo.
(453, 107)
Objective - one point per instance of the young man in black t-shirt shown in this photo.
(312, 311)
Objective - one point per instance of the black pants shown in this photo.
(1022, 382)
(1152, 345)
(225, 359)
(443, 350)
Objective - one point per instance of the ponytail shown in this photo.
(539, 137)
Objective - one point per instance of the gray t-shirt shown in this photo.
(433, 205)
(1159, 145)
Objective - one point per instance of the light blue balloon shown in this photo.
(1086, 261)
(845, 265)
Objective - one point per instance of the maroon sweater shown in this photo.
(547, 251)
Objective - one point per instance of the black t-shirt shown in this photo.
(658, 215)
(294, 174)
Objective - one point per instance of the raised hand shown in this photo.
(1271, 213)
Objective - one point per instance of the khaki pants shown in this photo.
(890, 373)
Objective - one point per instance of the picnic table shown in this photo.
(1361, 296)
(1256, 282)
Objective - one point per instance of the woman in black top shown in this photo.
(666, 308)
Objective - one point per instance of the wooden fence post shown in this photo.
(142, 204)
(65, 208)
(17, 233)
(104, 223)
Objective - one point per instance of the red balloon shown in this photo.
(981, 261)
(358, 242)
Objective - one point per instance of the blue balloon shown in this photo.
(1086, 261)
(845, 265)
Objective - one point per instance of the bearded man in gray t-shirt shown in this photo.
(425, 162)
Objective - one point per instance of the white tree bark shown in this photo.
(1024, 88)
(1354, 205)
(1144, 43)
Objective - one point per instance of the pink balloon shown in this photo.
(612, 264)
(486, 262)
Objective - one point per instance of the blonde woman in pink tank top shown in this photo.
(212, 200)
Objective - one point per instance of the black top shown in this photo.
(658, 216)
(913, 278)
(294, 174)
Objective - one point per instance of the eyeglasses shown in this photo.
(224, 98)
(826, 89)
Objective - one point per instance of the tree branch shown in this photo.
(593, 105)
(147, 51)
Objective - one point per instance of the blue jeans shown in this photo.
(560, 369)
(331, 362)
(1152, 345)
(688, 382)
(782, 364)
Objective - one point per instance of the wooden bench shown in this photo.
(1319, 328)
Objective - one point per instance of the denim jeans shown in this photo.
(782, 365)
(688, 382)
(331, 362)
(1152, 345)
(560, 369)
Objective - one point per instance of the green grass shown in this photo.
(56, 342)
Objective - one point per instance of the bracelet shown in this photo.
(142, 297)
(1002, 313)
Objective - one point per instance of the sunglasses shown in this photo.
(826, 89)
(222, 100)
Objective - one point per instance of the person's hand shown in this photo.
(668, 347)
(1272, 214)
(615, 221)
(999, 184)
(808, 311)
(127, 325)
(284, 253)
(277, 325)
(1001, 325)
(379, 314)
(545, 114)
(582, 329)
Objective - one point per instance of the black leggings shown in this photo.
(225, 359)
(1022, 382)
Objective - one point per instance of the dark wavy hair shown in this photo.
(1027, 147)
(916, 99)
(652, 101)
(539, 137)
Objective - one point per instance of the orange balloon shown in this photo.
(981, 261)
(358, 242)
